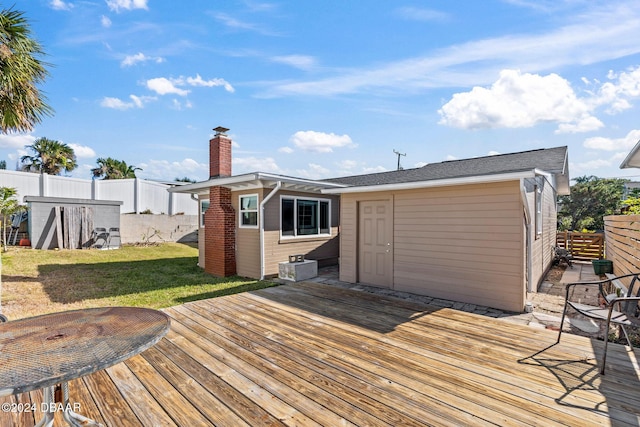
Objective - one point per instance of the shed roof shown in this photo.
(550, 160)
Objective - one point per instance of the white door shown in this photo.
(375, 238)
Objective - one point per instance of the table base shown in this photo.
(50, 405)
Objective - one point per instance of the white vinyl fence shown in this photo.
(137, 195)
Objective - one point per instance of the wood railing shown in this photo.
(582, 246)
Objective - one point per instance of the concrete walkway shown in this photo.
(547, 304)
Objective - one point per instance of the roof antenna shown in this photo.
(397, 153)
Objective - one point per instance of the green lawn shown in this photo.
(39, 281)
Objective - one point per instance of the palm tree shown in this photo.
(21, 103)
(50, 157)
(109, 168)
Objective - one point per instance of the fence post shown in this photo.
(136, 196)
(43, 184)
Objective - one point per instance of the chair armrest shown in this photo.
(623, 299)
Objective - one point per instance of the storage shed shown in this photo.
(56, 222)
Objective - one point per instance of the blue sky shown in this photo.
(331, 88)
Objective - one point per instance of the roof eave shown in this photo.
(478, 179)
(252, 181)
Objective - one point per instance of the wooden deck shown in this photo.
(311, 354)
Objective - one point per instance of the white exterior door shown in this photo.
(375, 243)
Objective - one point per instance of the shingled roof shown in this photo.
(550, 160)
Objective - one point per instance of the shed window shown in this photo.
(304, 217)
(249, 211)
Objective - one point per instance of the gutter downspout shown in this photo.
(262, 205)
(527, 226)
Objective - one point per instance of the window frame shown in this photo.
(537, 191)
(243, 211)
(319, 221)
(203, 211)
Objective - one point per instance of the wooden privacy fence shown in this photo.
(582, 246)
(623, 242)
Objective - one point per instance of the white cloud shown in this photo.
(16, 141)
(163, 86)
(617, 93)
(137, 101)
(82, 151)
(597, 34)
(105, 21)
(421, 14)
(313, 171)
(118, 104)
(198, 81)
(320, 142)
(519, 100)
(303, 62)
(118, 5)
(115, 103)
(614, 144)
(17, 155)
(177, 105)
(60, 5)
(286, 150)
(236, 24)
(583, 124)
(130, 60)
(589, 166)
(255, 164)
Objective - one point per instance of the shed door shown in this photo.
(375, 237)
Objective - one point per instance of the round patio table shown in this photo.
(43, 351)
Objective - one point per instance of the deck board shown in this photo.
(309, 354)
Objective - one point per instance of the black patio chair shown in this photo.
(618, 304)
(100, 237)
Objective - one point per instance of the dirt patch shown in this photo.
(554, 275)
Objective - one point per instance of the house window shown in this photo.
(538, 196)
(249, 211)
(304, 217)
(204, 205)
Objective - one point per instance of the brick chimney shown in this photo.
(220, 154)
(220, 220)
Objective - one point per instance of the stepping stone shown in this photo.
(589, 326)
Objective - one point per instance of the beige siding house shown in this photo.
(479, 230)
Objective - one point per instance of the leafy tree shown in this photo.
(590, 200)
(8, 206)
(21, 103)
(185, 179)
(113, 169)
(632, 206)
(3, 164)
(50, 157)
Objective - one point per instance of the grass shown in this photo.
(39, 281)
